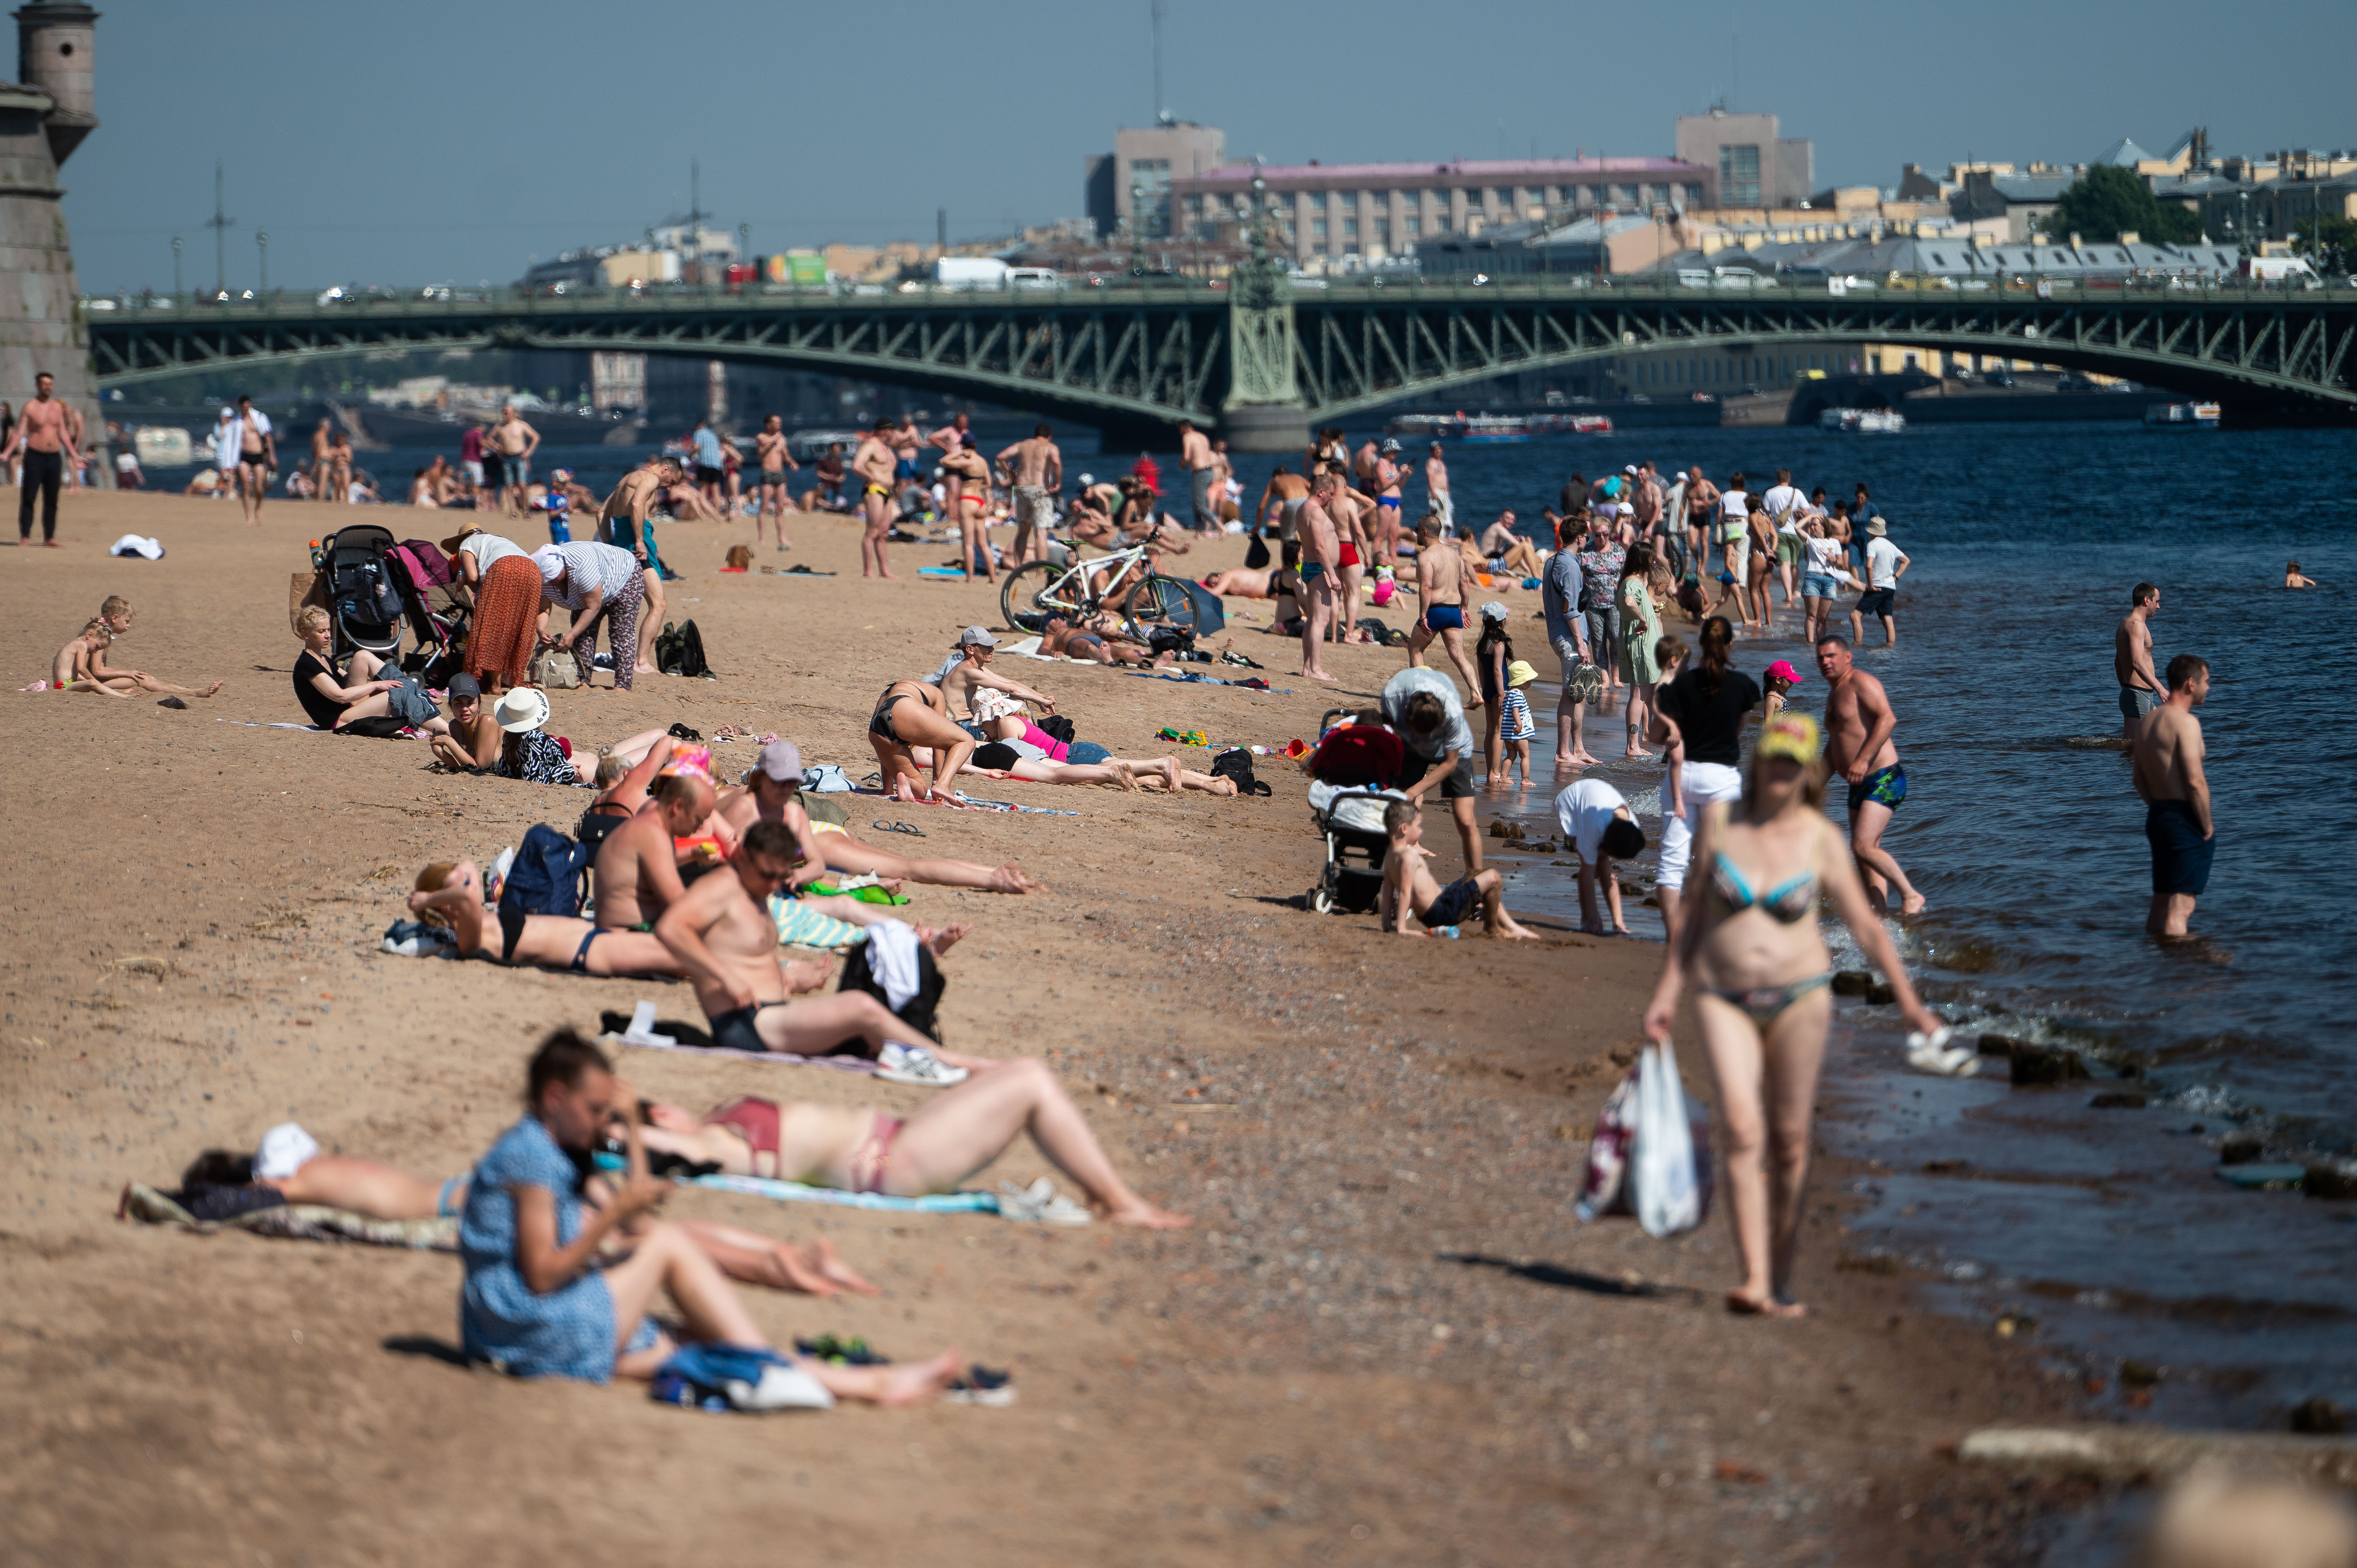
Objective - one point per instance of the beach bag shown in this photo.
(1256, 553)
(1668, 1162)
(1236, 763)
(825, 779)
(556, 668)
(550, 876)
(679, 651)
(919, 1012)
(1605, 1190)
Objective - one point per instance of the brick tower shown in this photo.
(44, 116)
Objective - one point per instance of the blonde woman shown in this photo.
(334, 697)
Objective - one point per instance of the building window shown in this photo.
(1439, 224)
(1693, 196)
(1412, 226)
(1739, 176)
(1317, 230)
(1498, 196)
(1383, 233)
(1350, 228)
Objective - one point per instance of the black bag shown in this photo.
(1255, 553)
(920, 1009)
(1236, 763)
(550, 874)
(1169, 638)
(1059, 725)
(680, 652)
(384, 727)
(595, 823)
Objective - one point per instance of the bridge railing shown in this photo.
(307, 305)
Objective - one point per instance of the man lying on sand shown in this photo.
(1409, 888)
(954, 1135)
(721, 935)
(289, 1164)
(772, 792)
(450, 895)
(80, 665)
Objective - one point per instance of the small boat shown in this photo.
(2182, 415)
(1865, 421)
(1495, 429)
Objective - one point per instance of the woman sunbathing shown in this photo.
(954, 1135)
(290, 1163)
(451, 896)
(998, 760)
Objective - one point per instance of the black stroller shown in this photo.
(1347, 795)
(364, 590)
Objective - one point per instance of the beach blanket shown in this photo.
(797, 1192)
(799, 926)
(299, 1222)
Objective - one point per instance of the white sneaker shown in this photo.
(782, 1388)
(917, 1066)
(1041, 1204)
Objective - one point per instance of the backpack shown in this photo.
(1256, 552)
(679, 651)
(918, 1011)
(1060, 726)
(550, 876)
(1236, 763)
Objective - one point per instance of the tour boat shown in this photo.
(1867, 421)
(2182, 415)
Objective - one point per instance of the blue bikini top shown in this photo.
(1790, 901)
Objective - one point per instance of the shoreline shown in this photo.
(1273, 1383)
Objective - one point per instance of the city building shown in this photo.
(1756, 167)
(1144, 164)
(1605, 243)
(1327, 212)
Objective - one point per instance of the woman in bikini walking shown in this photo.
(1762, 1001)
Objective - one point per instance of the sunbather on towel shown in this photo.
(290, 1164)
(722, 937)
(538, 1299)
(997, 760)
(952, 1135)
(773, 792)
(451, 896)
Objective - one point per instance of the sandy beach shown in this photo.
(1387, 1339)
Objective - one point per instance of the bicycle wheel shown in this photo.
(1026, 602)
(1161, 598)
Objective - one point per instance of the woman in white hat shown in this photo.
(595, 582)
(529, 752)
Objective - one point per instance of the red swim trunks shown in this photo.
(1350, 554)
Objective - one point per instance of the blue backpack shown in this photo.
(550, 876)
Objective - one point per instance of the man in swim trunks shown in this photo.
(1288, 490)
(1202, 474)
(1436, 485)
(1858, 726)
(1035, 467)
(2176, 792)
(723, 935)
(1350, 509)
(512, 442)
(1320, 559)
(770, 452)
(1385, 534)
(906, 442)
(2140, 689)
(872, 466)
(638, 865)
(1440, 593)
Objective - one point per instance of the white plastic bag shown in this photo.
(1671, 1192)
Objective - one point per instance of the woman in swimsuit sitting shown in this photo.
(956, 1133)
(451, 896)
(911, 713)
(1762, 1002)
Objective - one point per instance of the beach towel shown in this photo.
(298, 1222)
(799, 926)
(797, 1192)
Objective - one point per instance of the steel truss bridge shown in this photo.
(1145, 354)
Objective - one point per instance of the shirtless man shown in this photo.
(1362, 466)
(722, 936)
(1858, 724)
(319, 445)
(638, 865)
(1500, 544)
(339, 481)
(1202, 474)
(1350, 509)
(966, 493)
(1035, 467)
(906, 442)
(873, 465)
(2140, 689)
(975, 647)
(1436, 485)
(1389, 473)
(953, 435)
(512, 442)
(474, 736)
(257, 454)
(1320, 566)
(1440, 601)
(2175, 793)
(772, 792)
(770, 452)
(622, 522)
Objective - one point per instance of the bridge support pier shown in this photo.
(1265, 427)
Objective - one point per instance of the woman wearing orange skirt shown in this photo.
(506, 588)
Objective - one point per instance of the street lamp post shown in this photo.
(176, 270)
(262, 245)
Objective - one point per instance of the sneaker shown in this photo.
(981, 1385)
(1040, 1203)
(782, 1388)
(915, 1066)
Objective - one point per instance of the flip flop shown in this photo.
(898, 828)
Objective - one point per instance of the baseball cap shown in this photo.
(463, 685)
(1087, 479)
(1520, 674)
(783, 761)
(1492, 610)
(976, 636)
(561, 475)
(1791, 736)
(1783, 670)
(1631, 471)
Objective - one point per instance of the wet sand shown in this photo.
(1386, 1340)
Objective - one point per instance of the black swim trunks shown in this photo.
(1454, 903)
(735, 1030)
(879, 723)
(510, 931)
(2181, 856)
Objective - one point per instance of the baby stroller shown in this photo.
(436, 620)
(363, 584)
(1351, 773)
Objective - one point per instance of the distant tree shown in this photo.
(2330, 243)
(2106, 201)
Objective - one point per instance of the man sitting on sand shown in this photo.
(637, 863)
(773, 792)
(951, 1136)
(722, 935)
(1409, 888)
(450, 895)
(80, 665)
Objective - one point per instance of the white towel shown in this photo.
(892, 959)
(286, 1149)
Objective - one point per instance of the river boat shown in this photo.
(1864, 420)
(2182, 415)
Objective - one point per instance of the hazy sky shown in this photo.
(427, 141)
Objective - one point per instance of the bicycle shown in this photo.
(1081, 588)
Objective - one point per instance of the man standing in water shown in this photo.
(45, 440)
(1037, 467)
(2140, 689)
(2176, 792)
(1858, 726)
(873, 463)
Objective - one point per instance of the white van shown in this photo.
(1034, 278)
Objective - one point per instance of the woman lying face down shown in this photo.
(954, 1135)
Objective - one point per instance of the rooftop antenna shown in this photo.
(220, 225)
(1162, 115)
(696, 212)
(1734, 55)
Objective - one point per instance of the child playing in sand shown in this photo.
(1515, 724)
(1409, 889)
(80, 665)
(1670, 653)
